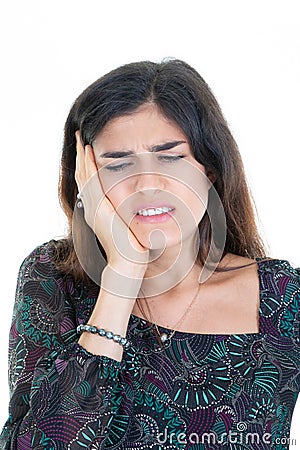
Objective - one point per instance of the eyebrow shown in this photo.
(155, 148)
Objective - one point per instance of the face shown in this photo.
(149, 174)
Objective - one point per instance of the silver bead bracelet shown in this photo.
(108, 334)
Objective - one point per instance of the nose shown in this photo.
(150, 181)
(148, 176)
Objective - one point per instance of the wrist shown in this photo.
(123, 280)
(128, 258)
(127, 267)
(125, 270)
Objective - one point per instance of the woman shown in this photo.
(159, 322)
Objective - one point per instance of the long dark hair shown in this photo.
(184, 97)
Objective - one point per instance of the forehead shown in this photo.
(146, 126)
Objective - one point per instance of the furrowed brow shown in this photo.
(117, 154)
(166, 146)
(155, 148)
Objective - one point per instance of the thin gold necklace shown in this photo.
(164, 336)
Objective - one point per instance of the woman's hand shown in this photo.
(100, 214)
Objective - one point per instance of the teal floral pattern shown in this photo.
(197, 392)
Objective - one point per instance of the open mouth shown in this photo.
(155, 215)
(154, 211)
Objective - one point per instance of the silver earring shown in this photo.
(79, 203)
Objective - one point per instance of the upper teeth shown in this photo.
(154, 211)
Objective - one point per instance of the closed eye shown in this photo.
(163, 158)
(118, 167)
(170, 158)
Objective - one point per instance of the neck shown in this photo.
(169, 269)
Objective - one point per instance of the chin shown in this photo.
(158, 242)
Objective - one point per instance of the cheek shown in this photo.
(121, 198)
(192, 185)
(117, 196)
(194, 195)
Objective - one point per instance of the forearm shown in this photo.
(112, 310)
(57, 380)
(73, 391)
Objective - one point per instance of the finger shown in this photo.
(91, 175)
(91, 169)
(89, 162)
(79, 146)
(80, 170)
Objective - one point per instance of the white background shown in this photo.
(248, 52)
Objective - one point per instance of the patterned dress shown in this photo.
(198, 392)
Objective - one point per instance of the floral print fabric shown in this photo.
(198, 392)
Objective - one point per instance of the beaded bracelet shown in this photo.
(108, 334)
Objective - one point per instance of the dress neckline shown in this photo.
(177, 333)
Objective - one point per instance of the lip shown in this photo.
(155, 219)
(153, 205)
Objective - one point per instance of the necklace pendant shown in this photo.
(164, 337)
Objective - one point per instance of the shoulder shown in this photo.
(276, 276)
(46, 251)
(40, 267)
(268, 264)
(280, 297)
(274, 271)
(45, 255)
(43, 312)
(280, 279)
(43, 266)
(279, 268)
